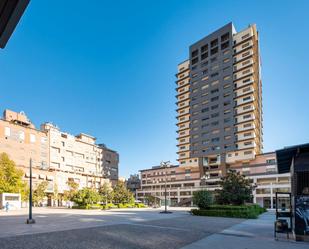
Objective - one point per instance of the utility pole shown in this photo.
(30, 220)
(165, 165)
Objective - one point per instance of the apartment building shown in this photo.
(58, 157)
(219, 102)
(180, 183)
(21, 141)
(219, 121)
(109, 163)
(263, 173)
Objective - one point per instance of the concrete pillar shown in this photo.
(271, 196)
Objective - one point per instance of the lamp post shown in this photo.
(30, 220)
(165, 165)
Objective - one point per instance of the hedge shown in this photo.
(88, 206)
(245, 211)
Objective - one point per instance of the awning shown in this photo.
(10, 14)
(285, 156)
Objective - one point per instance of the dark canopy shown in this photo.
(285, 156)
(10, 14)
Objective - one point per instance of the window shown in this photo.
(227, 137)
(271, 161)
(245, 54)
(225, 37)
(247, 89)
(213, 59)
(214, 107)
(32, 138)
(214, 51)
(227, 111)
(194, 75)
(247, 125)
(246, 98)
(204, 56)
(7, 131)
(216, 82)
(194, 61)
(245, 45)
(246, 62)
(195, 90)
(205, 78)
(214, 74)
(214, 43)
(216, 139)
(204, 87)
(226, 120)
(226, 94)
(205, 63)
(206, 118)
(215, 123)
(204, 126)
(225, 45)
(246, 80)
(248, 134)
(205, 110)
(247, 143)
(247, 116)
(227, 103)
(214, 98)
(226, 60)
(246, 107)
(227, 77)
(205, 102)
(21, 135)
(246, 71)
(195, 136)
(214, 67)
(248, 152)
(245, 36)
(215, 90)
(205, 71)
(226, 52)
(204, 48)
(226, 86)
(215, 115)
(205, 141)
(225, 69)
(194, 53)
(227, 128)
(63, 144)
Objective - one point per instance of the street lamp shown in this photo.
(165, 165)
(30, 220)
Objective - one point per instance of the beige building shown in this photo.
(219, 121)
(58, 157)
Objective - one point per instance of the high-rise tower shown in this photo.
(219, 102)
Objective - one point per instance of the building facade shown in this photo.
(58, 157)
(219, 122)
(109, 163)
(219, 102)
(133, 183)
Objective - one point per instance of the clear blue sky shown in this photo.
(107, 68)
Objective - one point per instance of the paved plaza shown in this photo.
(135, 228)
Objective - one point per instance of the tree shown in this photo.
(106, 193)
(236, 189)
(68, 195)
(11, 177)
(39, 192)
(121, 194)
(202, 198)
(86, 196)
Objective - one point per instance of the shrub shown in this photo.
(140, 205)
(245, 211)
(109, 206)
(202, 198)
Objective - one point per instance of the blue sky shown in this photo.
(107, 68)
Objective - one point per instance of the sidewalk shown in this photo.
(250, 234)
